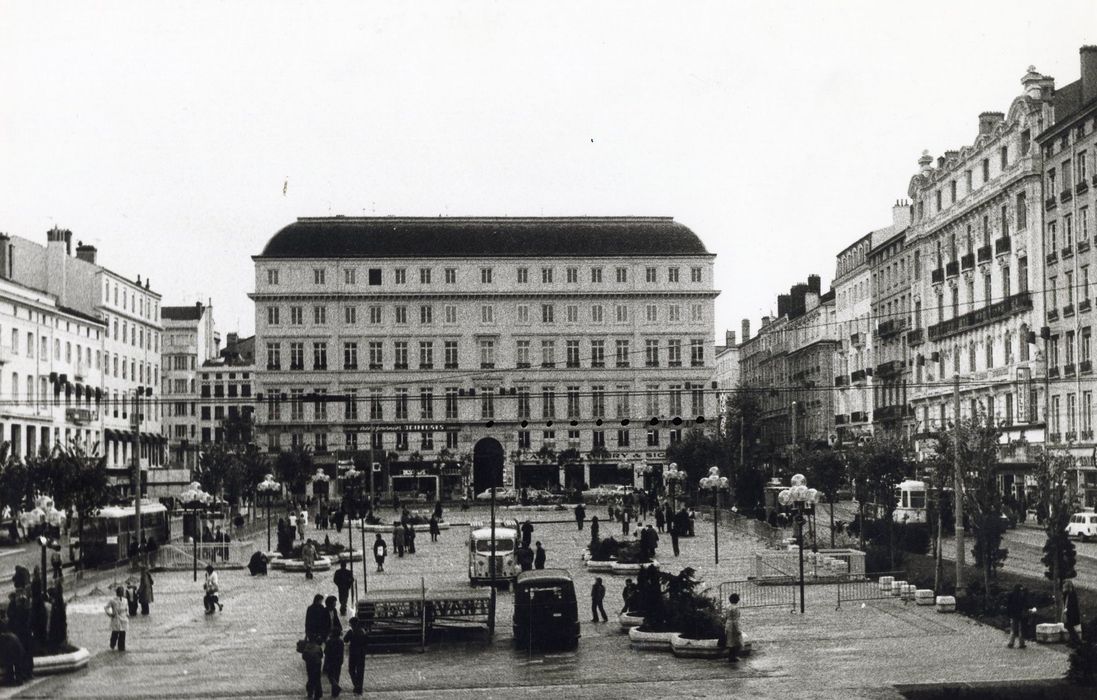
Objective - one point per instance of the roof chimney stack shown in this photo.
(925, 162)
(729, 339)
(86, 253)
(744, 330)
(1089, 73)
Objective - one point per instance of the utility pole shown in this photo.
(958, 483)
(137, 466)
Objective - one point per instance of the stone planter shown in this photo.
(631, 569)
(897, 588)
(628, 621)
(885, 583)
(600, 565)
(946, 603)
(1051, 633)
(62, 663)
(924, 596)
(697, 648)
(298, 566)
(387, 529)
(907, 592)
(352, 556)
(659, 641)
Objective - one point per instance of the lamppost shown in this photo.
(801, 498)
(268, 487)
(192, 498)
(671, 477)
(642, 470)
(714, 484)
(319, 477)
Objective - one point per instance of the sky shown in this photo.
(179, 137)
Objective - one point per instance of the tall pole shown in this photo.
(491, 562)
(716, 525)
(268, 522)
(365, 569)
(800, 538)
(742, 439)
(137, 468)
(958, 483)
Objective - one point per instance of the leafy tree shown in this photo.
(15, 485)
(78, 480)
(742, 430)
(876, 469)
(698, 451)
(826, 472)
(216, 469)
(294, 468)
(1058, 497)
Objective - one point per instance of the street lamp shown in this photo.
(671, 477)
(801, 498)
(642, 470)
(268, 487)
(192, 498)
(714, 483)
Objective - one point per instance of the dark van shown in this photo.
(545, 611)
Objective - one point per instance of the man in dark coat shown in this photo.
(524, 556)
(672, 526)
(1072, 616)
(344, 579)
(649, 540)
(317, 621)
(380, 549)
(356, 641)
(409, 537)
(1016, 603)
(333, 661)
(334, 623)
(660, 520)
(580, 515)
(597, 596)
(593, 531)
(539, 557)
(527, 533)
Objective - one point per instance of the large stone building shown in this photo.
(977, 254)
(1069, 149)
(445, 338)
(190, 339)
(892, 265)
(853, 353)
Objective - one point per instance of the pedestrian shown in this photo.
(692, 521)
(580, 515)
(409, 538)
(628, 595)
(334, 623)
(434, 531)
(116, 611)
(597, 596)
(524, 555)
(539, 557)
(144, 589)
(672, 525)
(733, 636)
(344, 579)
(527, 533)
(212, 587)
(1016, 603)
(1072, 616)
(356, 640)
(649, 540)
(12, 654)
(220, 549)
(593, 532)
(55, 562)
(312, 651)
(660, 519)
(292, 520)
(626, 516)
(379, 551)
(131, 596)
(317, 620)
(333, 660)
(405, 516)
(438, 513)
(398, 539)
(308, 557)
(303, 522)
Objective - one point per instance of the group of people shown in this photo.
(529, 557)
(326, 645)
(678, 523)
(1017, 609)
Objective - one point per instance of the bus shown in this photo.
(108, 533)
(481, 551)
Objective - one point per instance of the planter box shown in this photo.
(628, 621)
(1051, 633)
(605, 565)
(296, 565)
(946, 603)
(924, 596)
(697, 648)
(62, 663)
(353, 556)
(907, 592)
(885, 583)
(619, 568)
(659, 641)
(386, 529)
(897, 588)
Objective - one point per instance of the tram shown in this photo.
(107, 534)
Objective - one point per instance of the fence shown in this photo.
(752, 527)
(859, 588)
(821, 566)
(225, 555)
(752, 595)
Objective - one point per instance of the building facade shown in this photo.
(852, 312)
(438, 338)
(726, 373)
(892, 266)
(190, 339)
(1069, 149)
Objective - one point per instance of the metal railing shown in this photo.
(751, 595)
(230, 555)
(861, 588)
(769, 535)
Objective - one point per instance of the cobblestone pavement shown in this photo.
(248, 649)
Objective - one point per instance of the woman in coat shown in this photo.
(1072, 616)
(398, 539)
(119, 618)
(144, 590)
(731, 628)
(379, 551)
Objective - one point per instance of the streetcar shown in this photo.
(107, 534)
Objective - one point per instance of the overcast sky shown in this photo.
(779, 132)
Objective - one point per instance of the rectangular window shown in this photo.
(402, 441)
(652, 402)
(651, 313)
(350, 355)
(375, 315)
(272, 278)
(349, 275)
(426, 354)
(651, 275)
(598, 401)
(350, 406)
(573, 402)
(571, 348)
(523, 275)
(546, 275)
(319, 315)
(401, 314)
(622, 353)
(400, 275)
(487, 314)
(318, 276)
(986, 170)
(653, 437)
(622, 275)
(672, 274)
(573, 275)
(487, 403)
(547, 313)
(350, 315)
(272, 315)
(400, 403)
(319, 355)
(572, 313)
(548, 402)
(400, 354)
(598, 439)
(451, 314)
(424, 275)
(521, 354)
(697, 400)
(296, 315)
(450, 351)
(621, 403)
(426, 315)
(620, 313)
(674, 313)
(451, 275)
(523, 313)
(596, 275)
(696, 353)
(487, 354)
(674, 353)
(523, 440)
(523, 403)
(651, 353)
(548, 353)
(376, 354)
(451, 403)
(596, 313)
(375, 277)
(623, 438)
(597, 353)
(274, 356)
(296, 356)
(674, 391)
(485, 275)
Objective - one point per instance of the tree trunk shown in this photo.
(938, 559)
(861, 520)
(832, 523)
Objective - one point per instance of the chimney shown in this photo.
(231, 340)
(782, 305)
(814, 283)
(940, 161)
(744, 329)
(86, 252)
(729, 339)
(1089, 73)
(900, 214)
(989, 120)
(765, 321)
(60, 236)
(925, 162)
(1040, 87)
(5, 256)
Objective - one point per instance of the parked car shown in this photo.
(1083, 526)
(502, 493)
(541, 497)
(545, 609)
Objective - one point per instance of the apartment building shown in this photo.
(190, 339)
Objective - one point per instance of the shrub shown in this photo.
(912, 537)
(1083, 660)
(631, 553)
(878, 558)
(604, 549)
(671, 604)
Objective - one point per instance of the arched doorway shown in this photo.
(487, 464)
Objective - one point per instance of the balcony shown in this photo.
(952, 269)
(1070, 436)
(967, 262)
(937, 276)
(888, 368)
(1053, 315)
(1002, 245)
(884, 413)
(841, 419)
(890, 328)
(1085, 367)
(1068, 370)
(1065, 196)
(856, 339)
(858, 417)
(1052, 258)
(1053, 372)
(1084, 305)
(1067, 252)
(841, 380)
(916, 336)
(984, 253)
(1081, 187)
(981, 317)
(1083, 246)
(1068, 310)
(858, 376)
(1055, 437)
(1050, 203)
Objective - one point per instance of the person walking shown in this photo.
(626, 516)
(660, 519)
(628, 595)
(1016, 603)
(334, 623)
(317, 620)
(434, 531)
(597, 596)
(144, 590)
(580, 515)
(593, 531)
(212, 587)
(672, 525)
(409, 538)
(119, 620)
(343, 579)
(303, 521)
(292, 525)
(539, 557)
(312, 651)
(732, 633)
(333, 660)
(380, 549)
(308, 557)
(1072, 616)
(356, 640)
(131, 596)
(524, 555)
(398, 539)
(527, 533)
